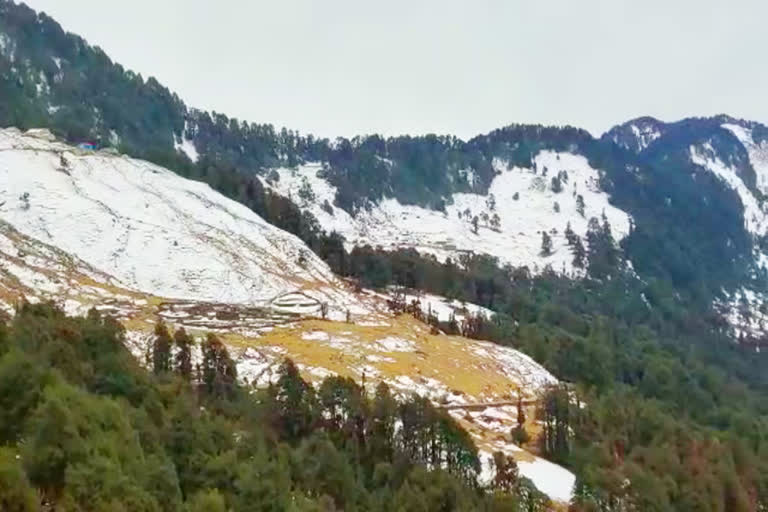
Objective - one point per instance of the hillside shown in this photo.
(95, 229)
(643, 168)
(84, 427)
(151, 230)
(522, 207)
(620, 363)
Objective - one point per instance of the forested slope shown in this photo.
(672, 409)
(83, 427)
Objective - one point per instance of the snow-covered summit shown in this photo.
(636, 135)
(508, 222)
(150, 229)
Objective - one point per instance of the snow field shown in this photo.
(524, 203)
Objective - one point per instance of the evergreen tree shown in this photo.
(293, 409)
(604, 255)
(382, 427)
(546, 244)
(569, 233)
(183, 357)
(507, 473)
(556, 414)
(16, 492)
(219, 371)
(495, 222)
(557, 185)
(491, 202)
(580, 204)
(161, 352)
(579, 252)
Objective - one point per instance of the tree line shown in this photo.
(83, 426)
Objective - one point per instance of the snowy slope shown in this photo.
(94, 229)
(755, 217)
(148, 228)
(636, 135)
(755, 209)
(745, 308)
(758, 153)
(444, 308)
(524, 202)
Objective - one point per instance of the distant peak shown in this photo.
(636, 134)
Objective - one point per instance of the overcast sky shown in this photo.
(346, 67)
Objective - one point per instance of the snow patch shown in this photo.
(393, 344)
(523, 201)
(444, 308)
(187, 147)
(746, 311)
(645, 135)
(758, 153)
(151, 229)
(755, 218)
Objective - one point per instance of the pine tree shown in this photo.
(183, 357)
(569, 233)
(579, 252)
(219, 371)
(382, 423)
(580, 204)
(507, 473)
(491, 202)
(556, 414)
(292, 403)
(557, 185)
(495, 222)
(546, 244)
(520, 411)
(604, 255)
(161, 349)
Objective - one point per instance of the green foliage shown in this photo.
(168, 441)
(675, 414)
(49, 78)
(520, 436)
(183, 358)
(219, 373)
(208, 501)
(655, 375)
(161, 349)
(16, 492)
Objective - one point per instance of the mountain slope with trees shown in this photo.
(671, 411)
(49, 78)
(83, 427)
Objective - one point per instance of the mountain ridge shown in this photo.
(637, 383)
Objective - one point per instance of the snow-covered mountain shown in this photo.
(96, 229)
(151, 230)
(558, 190)
(636, 135)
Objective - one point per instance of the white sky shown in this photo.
(346, 67)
